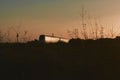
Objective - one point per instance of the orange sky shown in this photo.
(55, 16)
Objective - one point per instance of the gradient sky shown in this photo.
(54, 16)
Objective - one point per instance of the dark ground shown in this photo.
(78, 60)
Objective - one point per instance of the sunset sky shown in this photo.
(54, 16)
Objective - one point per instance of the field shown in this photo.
(77, 60)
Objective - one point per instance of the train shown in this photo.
(52, 39)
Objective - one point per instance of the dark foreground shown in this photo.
(78, 60)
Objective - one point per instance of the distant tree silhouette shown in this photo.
(17, 37)
(74, 33)
(1, 36)
(84, 25)
(25, 39)
(16, 30)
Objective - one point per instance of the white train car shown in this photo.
(51, 39)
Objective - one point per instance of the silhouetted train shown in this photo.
(51, 39)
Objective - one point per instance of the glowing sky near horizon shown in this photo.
(54, 16)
